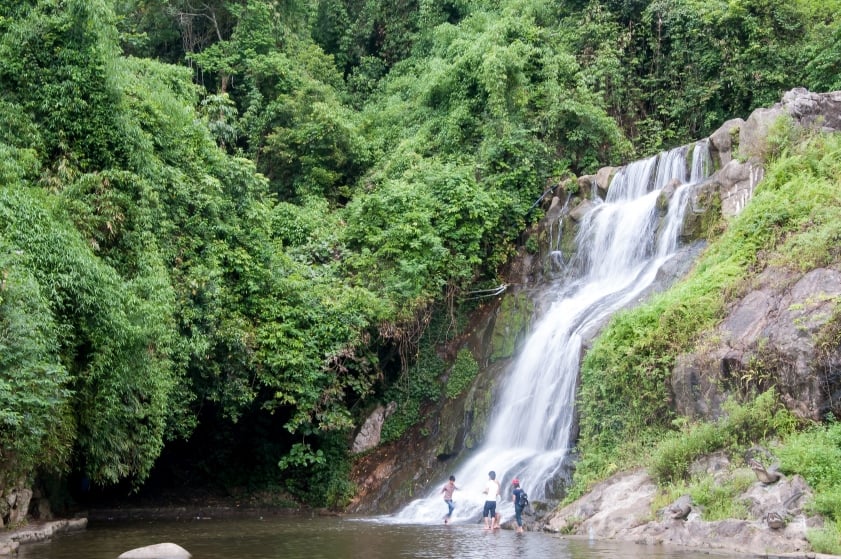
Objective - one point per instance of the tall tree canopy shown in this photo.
(235, 216)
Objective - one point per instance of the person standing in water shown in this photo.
(518, 507)
(491, 492)
(448, 489)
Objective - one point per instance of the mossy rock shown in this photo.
(511, 324)
(703, 220)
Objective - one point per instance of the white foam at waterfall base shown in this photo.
(530, 426)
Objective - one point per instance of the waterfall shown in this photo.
(556, 255)
(619, 253)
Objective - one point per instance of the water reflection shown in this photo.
(334, 538)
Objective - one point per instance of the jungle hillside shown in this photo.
(228, 228)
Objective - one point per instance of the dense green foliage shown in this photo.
(246, 210)
(34, 383)
(719, 501)
(815, 454)
(673, 71)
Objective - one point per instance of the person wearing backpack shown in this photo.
(521, 501)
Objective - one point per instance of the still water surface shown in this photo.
(335, 538)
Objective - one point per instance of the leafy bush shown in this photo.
(462, 373)
(115, 336)
(418, 386)
(397, 424)
(818, 464)
(815, 454)
(321, 478)
(828, 502)
(36, 423)
(720, 501)
(741, 426)
(671, 459)
(826, 539)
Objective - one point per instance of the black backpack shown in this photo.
(524, 500)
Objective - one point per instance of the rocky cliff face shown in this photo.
(782, 321)
(779, 332)
(773, 336)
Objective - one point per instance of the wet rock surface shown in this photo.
(37, 532)
(622, 508)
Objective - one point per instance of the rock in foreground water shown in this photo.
(157, 551)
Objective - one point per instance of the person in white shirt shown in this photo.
(491, 492)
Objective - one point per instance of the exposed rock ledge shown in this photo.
(37, 532)
(620, 508)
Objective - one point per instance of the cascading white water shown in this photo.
(700, 168)
(619, 254)
(556, 255)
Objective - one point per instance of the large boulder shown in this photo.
(703, 212)
(770, 337)
(157, 551)
(736, 182)
(739, 147)
(603, 178)
(753, 135)
(807, 109)
(724, 141)
(822, 110)
(14, 505)
(369, 434)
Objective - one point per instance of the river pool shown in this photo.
(277, 537)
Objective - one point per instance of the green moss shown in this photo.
(568, 245)
(734, 143)
(512, 319)
(478, 407)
